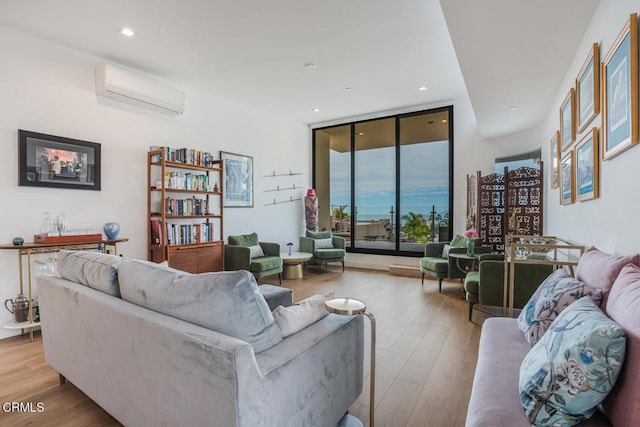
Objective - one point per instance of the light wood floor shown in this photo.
(426, 356)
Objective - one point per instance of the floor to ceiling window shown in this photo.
(385, 184)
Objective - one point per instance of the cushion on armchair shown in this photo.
(319, 234)
(244, 240)
(324, 243)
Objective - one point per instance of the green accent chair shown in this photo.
(324, 246)
(486, 285)
(238, 256)
(435, 265)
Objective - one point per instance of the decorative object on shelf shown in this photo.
(620, 92)
(19, 308)
(18, 241)
(215, 187)
(471, 244)
(566, 179)
(47, 223)
(567, 120)
(290, 245)
(352, 307)
(555, 154)
(60, 223)
(238, 180)
(311, 210)
(111, 230)
(588, 89)
(55, 161)
(587, 161)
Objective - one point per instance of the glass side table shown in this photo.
(351, 307)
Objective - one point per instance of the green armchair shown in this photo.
(324, 246)
(486, 285)
(435, 265)
(246, 252)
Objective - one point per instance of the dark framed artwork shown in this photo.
(620, 92)
(555, 155)
(588, 89)
(238, 180)
(568, 120)
(58, 162)
(587, 167)
(566, 179)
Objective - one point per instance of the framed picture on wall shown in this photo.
(567, 120)
(238, 180)
(587, 162)
(620, 92)
(555, 152)
(566, 179)
(57, 162)
(588, 89)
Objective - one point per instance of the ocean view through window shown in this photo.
(385, 184)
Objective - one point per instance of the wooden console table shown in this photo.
(30, 248)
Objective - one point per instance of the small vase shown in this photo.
(471, 247)
(111, 230)
(289, 250)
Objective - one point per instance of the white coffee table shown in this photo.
(292, 268)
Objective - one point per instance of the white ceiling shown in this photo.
(511, 52)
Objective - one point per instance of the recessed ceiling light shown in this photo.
(514, 107)
(315, 110)
(422, 88)
(348, 89)
(127, 32)
(310, 65)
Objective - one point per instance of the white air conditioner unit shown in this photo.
(136, 89)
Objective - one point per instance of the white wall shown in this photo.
(609, 221)
(50, 89)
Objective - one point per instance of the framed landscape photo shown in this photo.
(587, 162)
(58, 162)
(588, 89)
(620, 92)
(566, 179)
(567, 120)
(238, 180)
(555, 153)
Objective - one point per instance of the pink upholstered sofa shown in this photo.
(495, 400)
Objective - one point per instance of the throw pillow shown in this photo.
(555, 294)
(95, 270)
(445, 250)
(622, 405)
(244, 239)
(318, 234)
(600, 269)
(458, 241)
(227, 302)
(566, 375)
(324, 243)
(256, 251)
(298, 316)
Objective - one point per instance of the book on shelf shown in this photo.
(156, 231)
(187, 156)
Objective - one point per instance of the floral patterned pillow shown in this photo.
(573, 367)
(555, 294)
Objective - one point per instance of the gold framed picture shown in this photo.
(568, 120)
(587, 167)
(588, 89)
(555, 153)
(566, 179)
(620, 92)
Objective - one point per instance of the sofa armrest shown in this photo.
(237, 258)
(270, 249)
(308, 245)
(434, 249)
(338, 242)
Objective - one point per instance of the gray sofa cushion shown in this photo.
(93, 269)
(226, 302)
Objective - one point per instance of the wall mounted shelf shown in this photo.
(277, 202)
(282, 174)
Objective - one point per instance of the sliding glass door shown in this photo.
(385, 184)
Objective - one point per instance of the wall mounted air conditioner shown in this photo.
(136, 89)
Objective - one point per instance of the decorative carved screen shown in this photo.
(524, 201)
(472, 201)
(491, 210)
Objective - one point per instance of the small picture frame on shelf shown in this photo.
(567, 120)
(587, 162)
(566, 179)
(588, 89)
(620, 92)
(555, 153)
(57, 162)
(238, 180)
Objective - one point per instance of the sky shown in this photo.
(424, 178)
